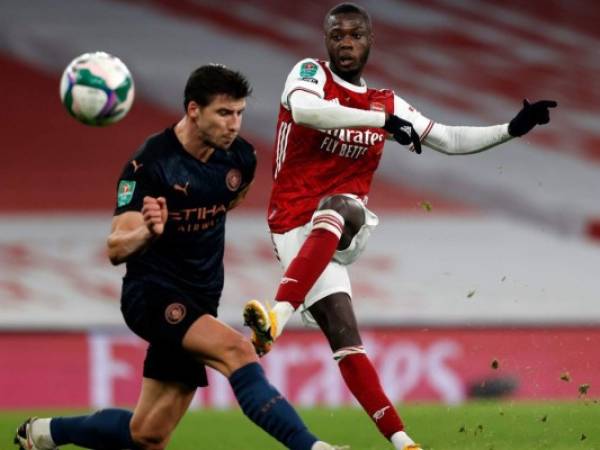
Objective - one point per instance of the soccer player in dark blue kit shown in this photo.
(169, 227)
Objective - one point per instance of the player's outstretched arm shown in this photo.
(460, 140)
(532, 114)
(132, 231)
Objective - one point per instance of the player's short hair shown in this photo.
(347, 8)
(210, 80)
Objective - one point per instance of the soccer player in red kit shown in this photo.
(330, 136)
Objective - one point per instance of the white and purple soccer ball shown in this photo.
(97, 89)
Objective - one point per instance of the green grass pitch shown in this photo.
(476, 426)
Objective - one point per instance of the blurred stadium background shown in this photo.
(494, 291)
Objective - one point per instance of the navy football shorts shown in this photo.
(161, 316)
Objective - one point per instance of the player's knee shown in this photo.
(148, 437)
(351, 210)
(239, 352)
(335, 202)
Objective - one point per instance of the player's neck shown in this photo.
(188, 138)
(352, 78)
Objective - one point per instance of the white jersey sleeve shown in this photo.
(312, 111)
(307, 75)
(451, 140)
(420, 123)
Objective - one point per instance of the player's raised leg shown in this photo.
(333, 226)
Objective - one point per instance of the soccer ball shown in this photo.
(97, 89)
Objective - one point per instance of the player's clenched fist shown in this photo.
(155, 214)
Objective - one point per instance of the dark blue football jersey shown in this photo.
(189, 254)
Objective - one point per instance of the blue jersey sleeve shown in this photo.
(135, 182)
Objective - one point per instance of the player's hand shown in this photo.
(403, 132)
(155, 214)
(532, 114)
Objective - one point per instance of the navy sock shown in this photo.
(107, 429)
(267, 408)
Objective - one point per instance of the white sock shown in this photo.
(283, 311)
(40, 434)
(400, 440)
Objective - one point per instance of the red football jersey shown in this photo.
(310, 164)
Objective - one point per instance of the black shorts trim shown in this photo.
(168, 364)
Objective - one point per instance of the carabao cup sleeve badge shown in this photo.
(125, 192)
(308, 69)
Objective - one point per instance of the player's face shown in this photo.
(348, 39)
(220, 121)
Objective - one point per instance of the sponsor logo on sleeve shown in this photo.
(311, 80)
(308, 69)
(125, 192)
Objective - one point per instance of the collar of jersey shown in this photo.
(216, 156)
(351, 87)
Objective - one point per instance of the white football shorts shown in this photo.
(335, 276)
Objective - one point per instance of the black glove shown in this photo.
(403, 132)
(531, 115)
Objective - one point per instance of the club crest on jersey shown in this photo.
(175, 312)
(233, 179)
(308, 70)
(125, 192)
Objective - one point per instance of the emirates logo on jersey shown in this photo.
(352, 143)
(356, 136)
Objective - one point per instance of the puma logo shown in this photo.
(181, 188)
(136, 166)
